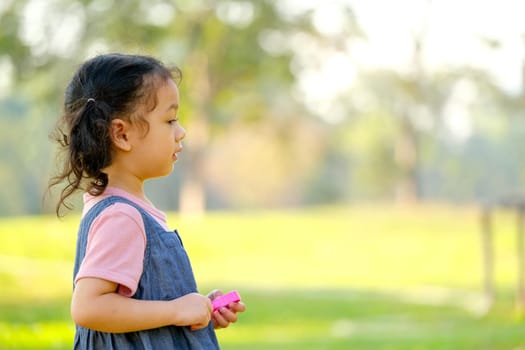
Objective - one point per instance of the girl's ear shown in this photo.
(119, 134)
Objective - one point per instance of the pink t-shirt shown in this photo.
(117, 240)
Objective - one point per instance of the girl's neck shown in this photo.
(137, 192)
(130, 184)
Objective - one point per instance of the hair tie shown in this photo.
(91, 99)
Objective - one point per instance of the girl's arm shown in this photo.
(97, 305)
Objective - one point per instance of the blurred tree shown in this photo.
(428, 110)
(236, 58)
(255, 75)
(440, 138)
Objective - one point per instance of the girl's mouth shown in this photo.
(175, 156)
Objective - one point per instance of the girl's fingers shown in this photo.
(219, 320)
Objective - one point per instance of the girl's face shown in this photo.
(156, 151)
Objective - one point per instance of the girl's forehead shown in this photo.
(159, 92)
(168, 93)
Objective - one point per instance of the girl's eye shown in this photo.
(172, 121)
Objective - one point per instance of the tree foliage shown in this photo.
(236, 62)
(255, 137)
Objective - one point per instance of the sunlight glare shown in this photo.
(238, 14)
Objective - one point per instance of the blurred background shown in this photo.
(287, 103)
(361, 135)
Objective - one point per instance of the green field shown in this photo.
(363, 277)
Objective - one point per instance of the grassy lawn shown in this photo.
(364, 277)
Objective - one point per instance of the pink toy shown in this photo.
(225, 300)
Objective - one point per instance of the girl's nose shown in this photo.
(180, 133)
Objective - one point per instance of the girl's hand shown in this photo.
(222, 317)
(193, 310)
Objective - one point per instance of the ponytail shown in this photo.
(88, 149)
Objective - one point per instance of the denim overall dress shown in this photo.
(166, 275)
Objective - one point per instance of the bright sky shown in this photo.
(456, 33)
(454, 29)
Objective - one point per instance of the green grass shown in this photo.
(364, 277)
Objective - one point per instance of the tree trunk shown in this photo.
(406, 157)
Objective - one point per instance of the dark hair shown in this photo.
(104, 88)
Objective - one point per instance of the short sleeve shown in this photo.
(115, 248)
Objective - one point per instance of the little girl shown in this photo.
(133, 283)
